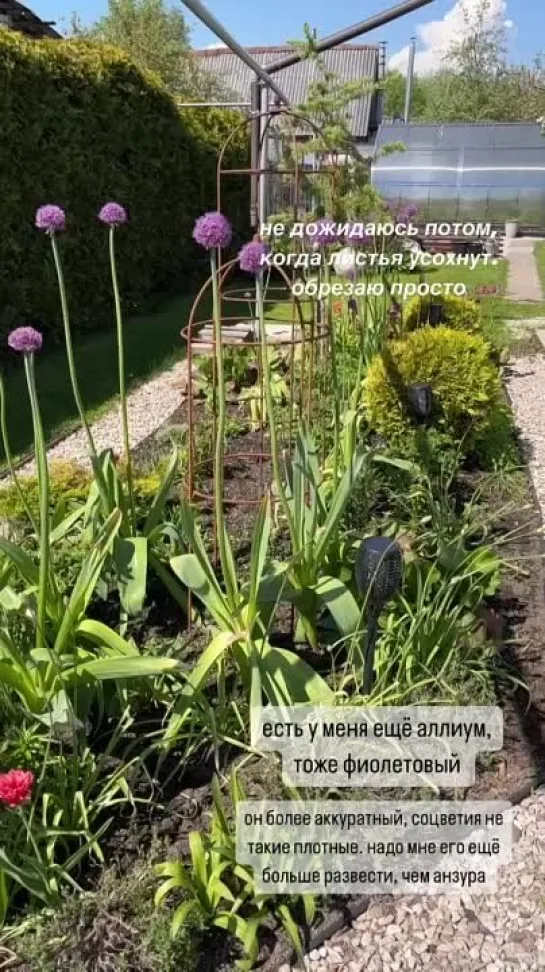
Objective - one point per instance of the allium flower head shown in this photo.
(113, 214)
(251, 256)
(326, 233)
(16, 787)
(50, 219)
(25, 339)
(212, 230)
(357, 234)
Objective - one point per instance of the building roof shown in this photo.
(350, 62)
(18, 17)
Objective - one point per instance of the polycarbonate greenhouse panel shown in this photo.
(492, 171)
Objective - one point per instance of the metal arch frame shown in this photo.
(263, 77)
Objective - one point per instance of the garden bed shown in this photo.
(515, 620)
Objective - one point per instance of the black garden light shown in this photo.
(436, 314)
(378, 571)
(420, 399)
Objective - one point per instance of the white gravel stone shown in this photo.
(149, 406)
(499, 932)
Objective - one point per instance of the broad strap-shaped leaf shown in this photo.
(109, 641)
(32, 877)
(194, 574)
(134, 666)
(22, 562)
(287, 679)
(166, 576)
(197, 680)
(66, 525)
(87, 579)
(341, 604)
(18, 681)
(158, 506)
(130, 556)
(260, 546)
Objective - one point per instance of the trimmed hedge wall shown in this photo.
(81, 125)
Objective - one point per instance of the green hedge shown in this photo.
(81, 125)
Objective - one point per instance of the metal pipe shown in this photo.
(264, 158)
(410, 81)
(213, 104)
(343, 36)
(382, 60)
(204, 15)
(255, 136)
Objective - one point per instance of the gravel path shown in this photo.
(149, 405)
(500, 932)
(523, 281)
(525, 381)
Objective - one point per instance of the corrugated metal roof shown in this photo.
(350, 62)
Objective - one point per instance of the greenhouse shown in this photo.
(478, 171)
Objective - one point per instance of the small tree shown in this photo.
(156, 37)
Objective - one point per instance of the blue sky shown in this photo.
(258, 22)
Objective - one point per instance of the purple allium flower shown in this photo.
(212, 230)
(326, 233)
(25, 339)
(51, 219)
(113, 214)
(252, 255)
(357, 235)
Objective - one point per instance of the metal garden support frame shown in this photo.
(258, 150)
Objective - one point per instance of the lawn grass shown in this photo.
(153, 343)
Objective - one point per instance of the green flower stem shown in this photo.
(43, 489)
(70, 349)
(122, 386)
(219, 454)
(336, 396)
(266, 377)
(9, 456)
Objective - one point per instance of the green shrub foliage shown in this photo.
(458, 313)
(465, 385)
(82, 125)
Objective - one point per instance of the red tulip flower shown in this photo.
(16, 787)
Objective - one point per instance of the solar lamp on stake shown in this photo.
(378, 572)
(420, 399)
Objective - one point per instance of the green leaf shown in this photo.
(195, 575)
(288, 679)
(180, 916)
(197, 679)
(106, 638)
(19, 682)
(157, 507)
(21, 561)
(338, 504)
(105, 669)
(260, 546)
(87, 580)
(131, 564)
(66, 525)
(29, 878)
(341, 604)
